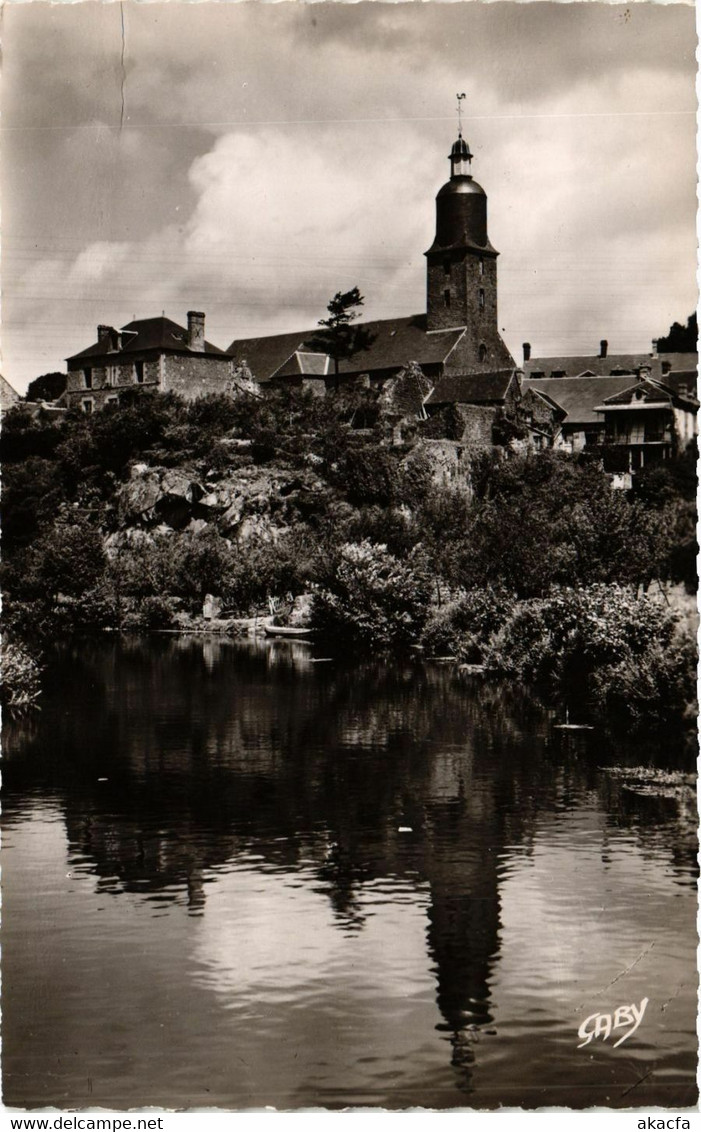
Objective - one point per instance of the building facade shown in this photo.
(151, 353)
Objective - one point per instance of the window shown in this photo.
(481, 299)
(446, 267)
(87, 377)
(481, 266)
(482, 353)
(88, 405)
(139, 372)
(446, 298)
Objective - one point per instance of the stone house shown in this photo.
(149, 353)
(649, 421)
(573, 402)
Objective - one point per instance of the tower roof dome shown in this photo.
(460, 150)
(460, 184)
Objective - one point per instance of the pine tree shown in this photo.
(338, 338)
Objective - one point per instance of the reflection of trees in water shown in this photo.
(215, 750)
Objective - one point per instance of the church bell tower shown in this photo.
(462, 268)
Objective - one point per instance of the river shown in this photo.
(237, 874)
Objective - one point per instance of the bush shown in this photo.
(20, 673)
(620, 652)
(373, 598)
(465, 623)
(150, 615)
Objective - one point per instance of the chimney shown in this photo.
(654, 347)
(195, 331)
(603, 348)
(104, 335)
(526, 351)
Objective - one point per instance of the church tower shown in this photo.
(462, 269)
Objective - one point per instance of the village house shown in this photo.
(579, 387)
(647, 423)
(150, 353)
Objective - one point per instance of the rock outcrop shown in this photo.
(245, 503)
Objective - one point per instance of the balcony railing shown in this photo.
(650, 436)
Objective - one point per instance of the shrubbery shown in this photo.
(463, 625)
(603, 645)
(373, 598)
(395, 555)
(20, 676)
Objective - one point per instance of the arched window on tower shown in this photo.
(482, 352)
(481, 265)
(446, 298)
(446, 267)
(481, 299)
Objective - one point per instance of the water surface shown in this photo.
(235, 877)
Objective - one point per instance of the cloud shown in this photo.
(284, 151)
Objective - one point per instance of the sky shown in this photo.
(251, 159)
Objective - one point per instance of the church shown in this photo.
(458, 335)
(444, 375)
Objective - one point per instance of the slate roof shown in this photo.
(472, 388)
(148, 334)
(682, 381)
(395, 341)
(575, 365)
(578, 396)
(648, 392)
(8, 395)
(686, 361)
(303, 362)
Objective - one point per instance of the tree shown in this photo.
(680, 339)
(338, 338)
(372, 598)
(47, 387)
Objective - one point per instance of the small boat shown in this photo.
(286, 631)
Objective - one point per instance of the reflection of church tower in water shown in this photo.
(462, 270)
(466, 836)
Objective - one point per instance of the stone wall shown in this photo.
(195, 376)
(478, 421)
(96, 385)
(190, 376)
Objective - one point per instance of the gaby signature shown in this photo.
(603, 1025)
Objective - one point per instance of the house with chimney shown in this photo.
(647, 423)
(148, 353)
(578, 387)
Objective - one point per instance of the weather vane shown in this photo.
(460, 98)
